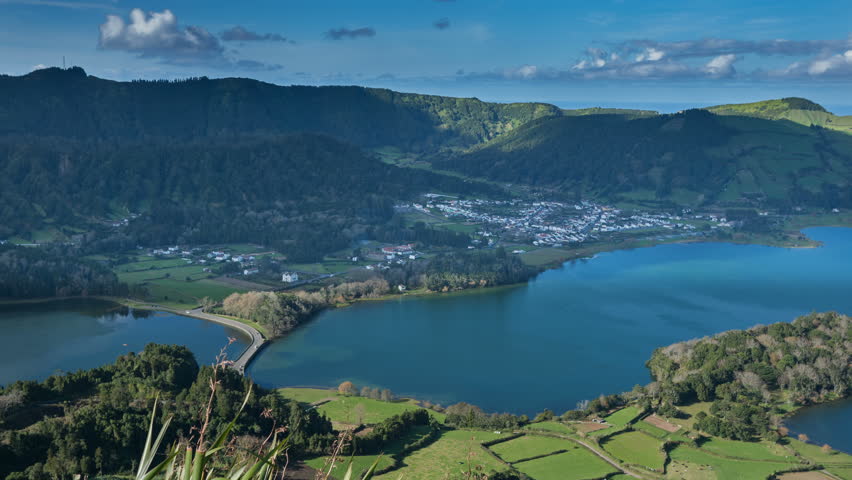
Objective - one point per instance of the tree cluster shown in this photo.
(104, 410)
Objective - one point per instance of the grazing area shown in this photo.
(763, 451)
(575, 464)
(636, 448)
(452, 454)
(360, 410)
(690, 463)
(306, 395)
(622, 417)
(529, 446)
(555, 427)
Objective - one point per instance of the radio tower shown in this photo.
(63, 62)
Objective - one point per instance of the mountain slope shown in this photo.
(304, 194)
(69, 103)
(690, 157)
(797, 110)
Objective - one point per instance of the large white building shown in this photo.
(290, 277)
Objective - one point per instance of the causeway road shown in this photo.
(257, 340)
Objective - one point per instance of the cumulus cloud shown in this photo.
(159, 35)
(709, 58)
(442, 23)
(343, 33)
(721, 66)
(241, 34)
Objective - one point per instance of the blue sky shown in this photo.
(665, 55)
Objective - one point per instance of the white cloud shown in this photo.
(721, 66)
(157, 34)
(40, 66)
(832, 64)
(650, 55)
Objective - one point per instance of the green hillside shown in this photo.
(798, 110)
(69, 103)
(691, 157)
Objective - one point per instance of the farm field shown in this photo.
(555, 427)
(173, 283)
(813, 475)
(345, 410)
(450, 455)
(693, 464)
(575, 464)
(747, 450)
(360, 464)
(306, 395)
(651, 430)
(529, 446)
(622, 417)
(636, 448)
(816, 453)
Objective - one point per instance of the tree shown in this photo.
(347, 388)
(387, 396)
(360, 410)
(803, 438)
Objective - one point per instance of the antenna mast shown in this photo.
(63, 62)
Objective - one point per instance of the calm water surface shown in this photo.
(830, 423)
(570, 334)
(42, 339)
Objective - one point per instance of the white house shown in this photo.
(289, 277)
(250, 271)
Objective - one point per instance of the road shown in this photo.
(257, 340)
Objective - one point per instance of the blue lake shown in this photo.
(41, 339)
(570, 334)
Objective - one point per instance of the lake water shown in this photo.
(570, 334)
(42, 339)
(829, 423)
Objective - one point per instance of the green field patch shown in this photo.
(544, 256)
(651, 430)
(843, 472)
(530, 446)
(747, 450)
(449, 457)
(575, 464)
(306, 395)
(816, 454)
(360, 464)
(622, 417)
(693, 463)
(636, 448)
(555, 427)
(351, 410)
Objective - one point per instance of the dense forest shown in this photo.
(740, 372)
(92, 422)
(34, 272)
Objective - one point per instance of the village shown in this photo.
(557, 224)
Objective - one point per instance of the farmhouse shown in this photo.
(398, 249)
(289, 277)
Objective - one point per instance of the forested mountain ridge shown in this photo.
(691, 157)
(794, 109)
(69, 103)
